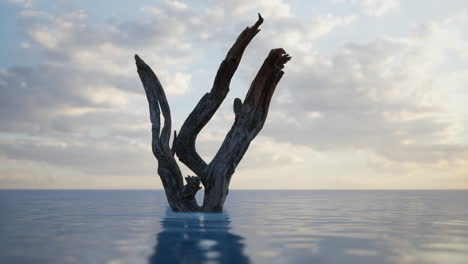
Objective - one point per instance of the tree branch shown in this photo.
(168, 169)
(210, 102)
(250, 117)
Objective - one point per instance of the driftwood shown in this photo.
(250, 115)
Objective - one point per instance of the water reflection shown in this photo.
(270, 227)
(197, 238)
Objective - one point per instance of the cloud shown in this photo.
(374, 7)
(84, 101)
(224, 10)
(23, 3)
(385, 96)
(394, 105)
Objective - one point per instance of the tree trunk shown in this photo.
(250, 115)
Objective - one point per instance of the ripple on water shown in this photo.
(256, 227)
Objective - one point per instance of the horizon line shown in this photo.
(122, 189)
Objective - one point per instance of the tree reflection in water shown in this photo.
(197, 238)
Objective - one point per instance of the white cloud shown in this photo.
(314, 115)
(25, 45)
(23, 3)
(177, 83)
(45, 38)
(394, 107)
(271, 9)
(390, 96)
(374, 7)
(177, 5)
(106, 95)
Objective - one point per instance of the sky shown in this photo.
(373, 98)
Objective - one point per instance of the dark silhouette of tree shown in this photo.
(250, 115)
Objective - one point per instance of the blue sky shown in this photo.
(374, 97)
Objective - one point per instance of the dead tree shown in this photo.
(250, 115)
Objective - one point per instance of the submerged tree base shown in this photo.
(250, 115)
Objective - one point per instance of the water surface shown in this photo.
(257, 227)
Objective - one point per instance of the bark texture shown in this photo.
(250, 115)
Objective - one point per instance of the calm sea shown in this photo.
(257, 227)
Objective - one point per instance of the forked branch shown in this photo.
(210, 102)
(250, 116)
(168, 169)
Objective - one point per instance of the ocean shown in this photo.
(113, 227)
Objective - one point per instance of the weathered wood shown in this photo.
(168, 169)
(210, 102)
(250, 117)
